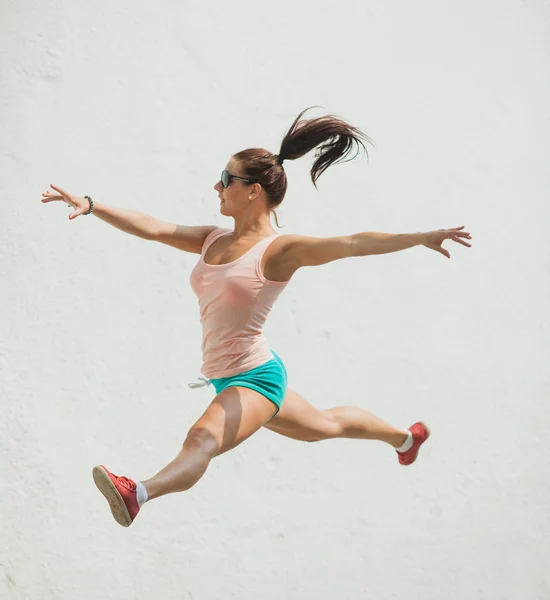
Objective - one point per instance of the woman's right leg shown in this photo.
(300, 420)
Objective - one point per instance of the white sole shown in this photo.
(116, 503)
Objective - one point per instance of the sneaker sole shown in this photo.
(116, 503)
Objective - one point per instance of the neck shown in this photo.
(248, 226)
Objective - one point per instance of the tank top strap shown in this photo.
(258, 252)
(212, 237)
(255, 253)
(260, 248)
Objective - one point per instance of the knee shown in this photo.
(202, 441)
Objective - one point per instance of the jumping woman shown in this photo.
(237, 278)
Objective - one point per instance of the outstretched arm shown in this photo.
(369, 242)
(382, 243)
(303, 251)
(182, 237)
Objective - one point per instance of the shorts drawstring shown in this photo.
(193, 384)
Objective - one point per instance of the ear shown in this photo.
(255, 190)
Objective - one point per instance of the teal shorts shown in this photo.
(269, 379)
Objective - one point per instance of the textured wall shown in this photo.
(140, 105)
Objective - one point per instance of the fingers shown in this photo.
(65, 197)
(62, 192)
(455, 233)
(459, 241)
(49, 197)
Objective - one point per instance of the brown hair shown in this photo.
(334, 136)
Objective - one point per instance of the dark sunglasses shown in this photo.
(227, 178)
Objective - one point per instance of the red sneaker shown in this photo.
(120, 493)
(420, 434)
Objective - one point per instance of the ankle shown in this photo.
(153, 491)
(141, 493)
(402, 441)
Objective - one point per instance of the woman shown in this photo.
(238, 277)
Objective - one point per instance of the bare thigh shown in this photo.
(234, 415)
(300, 420)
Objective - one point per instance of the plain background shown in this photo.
(140, 106)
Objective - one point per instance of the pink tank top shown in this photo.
(234, 300)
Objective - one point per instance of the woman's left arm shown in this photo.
(371, 242)
(382, 243)
(303, 251)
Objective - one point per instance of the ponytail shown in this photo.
(333, 137)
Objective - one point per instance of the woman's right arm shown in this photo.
(129, 221)
(187, 238)
(183, 237)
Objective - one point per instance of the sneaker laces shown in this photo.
(193, 384)
(127, 483)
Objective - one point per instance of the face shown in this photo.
(235, 197)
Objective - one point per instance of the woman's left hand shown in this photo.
(434, 239)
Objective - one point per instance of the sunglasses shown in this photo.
(227, 178)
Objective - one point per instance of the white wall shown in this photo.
(140, 105)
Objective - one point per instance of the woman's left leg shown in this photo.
(299, 420)
(233, 416)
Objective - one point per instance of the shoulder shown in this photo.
(214, 232)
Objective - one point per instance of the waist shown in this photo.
(227, 360)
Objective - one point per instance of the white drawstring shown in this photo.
(193, 384)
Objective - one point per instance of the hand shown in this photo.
(434, 239)
(81, 205)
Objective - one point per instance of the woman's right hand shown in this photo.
(81, 205)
